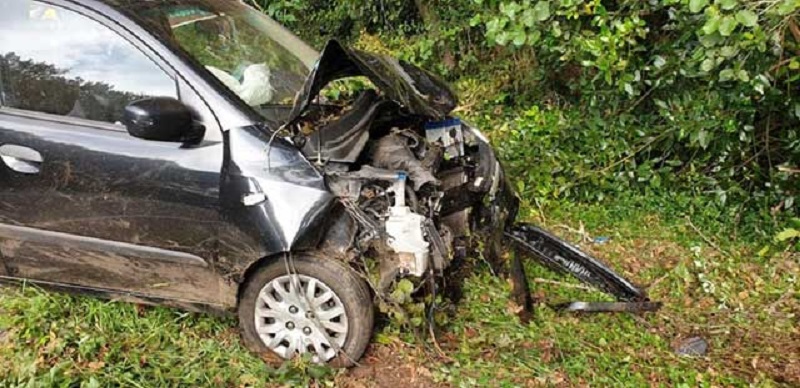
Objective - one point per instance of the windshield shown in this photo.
(253, 55)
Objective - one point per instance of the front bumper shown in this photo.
(500, 202)
(497, 213)
(497, 205)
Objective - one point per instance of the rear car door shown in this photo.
(82, 203)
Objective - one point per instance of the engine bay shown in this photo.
(414, 186)
(420, 189)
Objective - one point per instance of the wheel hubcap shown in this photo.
(299, 314)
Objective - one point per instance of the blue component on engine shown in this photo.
(434, 125)
(449, 134)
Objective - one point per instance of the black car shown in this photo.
(181, 152)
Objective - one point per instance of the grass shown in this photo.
(744, 305)
(58, 340)
(713, 286)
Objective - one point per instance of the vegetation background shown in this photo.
(670, 126)
(691, 101)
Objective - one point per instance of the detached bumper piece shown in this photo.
(562, 257)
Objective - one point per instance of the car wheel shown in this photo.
(324, 309)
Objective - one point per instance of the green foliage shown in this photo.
(788, 235)
(791, 235)
(286, 12)
(591, 98)
(402, 307)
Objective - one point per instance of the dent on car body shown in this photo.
(290, 198)
(274, 198)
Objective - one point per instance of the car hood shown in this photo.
(416, 90)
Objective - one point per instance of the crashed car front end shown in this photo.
(417, 185)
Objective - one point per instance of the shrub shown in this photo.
(594, 97)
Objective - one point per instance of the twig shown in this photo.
(585, 237)
(780, 64)
(660, 279)
(789, 170)
(794, 30)
(438, 348)
(641, 321)
(565, 285)
(465, 108)
(766, 143)
(640, 100)
(541, 210)
(783, 298)
(706, 239)
(752, 158)
(636, 152)
(257, 5)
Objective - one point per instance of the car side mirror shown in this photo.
(162, 119)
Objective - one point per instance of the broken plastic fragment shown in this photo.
(692, 347)
(601, 240)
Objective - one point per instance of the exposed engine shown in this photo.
(416, 182)
(410, 184)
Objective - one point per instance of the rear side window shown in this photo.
(57, 61)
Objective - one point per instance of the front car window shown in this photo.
(254, 56)
(57, 61)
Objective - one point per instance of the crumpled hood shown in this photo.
(416, 90)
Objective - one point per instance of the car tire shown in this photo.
(348, 287)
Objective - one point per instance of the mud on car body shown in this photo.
(178, 152)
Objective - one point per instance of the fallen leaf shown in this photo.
(97, 365)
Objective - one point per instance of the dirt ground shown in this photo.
(388, 366)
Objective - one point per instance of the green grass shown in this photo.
(712, 285)
(745, 306)
(58, 340)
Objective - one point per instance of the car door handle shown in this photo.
(21, 159)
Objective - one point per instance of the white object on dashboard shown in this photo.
(255, 88)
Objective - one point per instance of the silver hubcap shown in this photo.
(298, 315)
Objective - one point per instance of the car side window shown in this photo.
(57, 61)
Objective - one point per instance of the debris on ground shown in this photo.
(560, 256)
(692, 347)
(601, 240)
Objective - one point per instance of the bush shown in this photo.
(593, 98)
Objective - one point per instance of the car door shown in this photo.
(83, 203)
